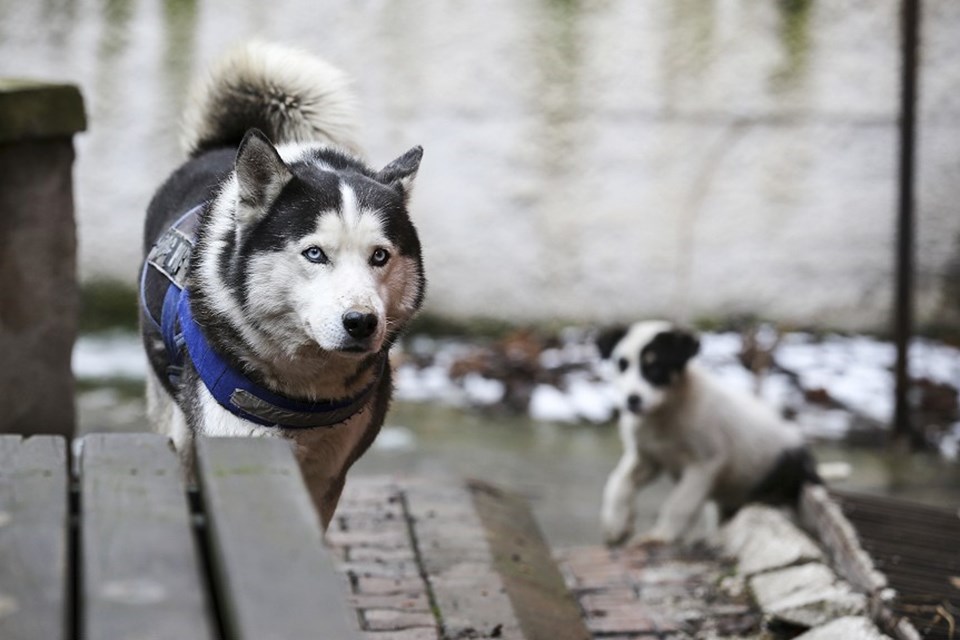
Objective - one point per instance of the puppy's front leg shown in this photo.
(685, 501)
(617, 514)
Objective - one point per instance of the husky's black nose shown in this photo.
(634, 403)
(359, 325)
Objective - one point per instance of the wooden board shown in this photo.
(544, 607)
(34, 535)
(274, 575)
(140, 568)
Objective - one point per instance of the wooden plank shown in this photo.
(275, 577)
(34, 538)
(140, 566)
(544, 606)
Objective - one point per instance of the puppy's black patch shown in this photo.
(608, 338)
(665, 357)
(782, 484)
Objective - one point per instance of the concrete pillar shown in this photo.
(39, 298)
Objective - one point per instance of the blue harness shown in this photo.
(235, 392)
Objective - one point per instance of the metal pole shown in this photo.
(903, 326)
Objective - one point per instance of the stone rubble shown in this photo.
(789, 578)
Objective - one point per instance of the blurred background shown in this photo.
(728, 164)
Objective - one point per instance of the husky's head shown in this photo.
(313, 249)
(650, 357)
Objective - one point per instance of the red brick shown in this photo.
(384, 586)
(384, 538)
(391, 620)
(396, 601)
(381, 569)
(373, 554)
(417, 633)
(622, 622)
(600, 576)
(610, 599)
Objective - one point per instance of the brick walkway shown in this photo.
(439, 562)
(371, 537)
(657, 593)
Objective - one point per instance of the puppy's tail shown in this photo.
(289, 95)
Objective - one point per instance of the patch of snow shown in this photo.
(549, 404)
(823, 423)
(854, 371)
(482, 391)
(395, 438)
(109, 355)
(591, 400)
(421, 385)
(950, 443)
(937, 362)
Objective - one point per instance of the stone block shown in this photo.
(808, 595)
(393, 620)
(762, 538)
(848, 628)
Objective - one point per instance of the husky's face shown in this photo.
(322, 251)
(649, 357)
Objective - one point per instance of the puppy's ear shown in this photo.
(261, 175)
(608, 338)
(400, 173)
(687, 345)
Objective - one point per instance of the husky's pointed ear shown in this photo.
(401, 172)
(261, 175)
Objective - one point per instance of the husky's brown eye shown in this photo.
(622, 364)
(315, 255)
(379, 257)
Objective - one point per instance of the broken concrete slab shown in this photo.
(762, 539)
(808, 595)
(849, 628)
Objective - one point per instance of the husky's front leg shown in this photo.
(166, 418)
(631, 473)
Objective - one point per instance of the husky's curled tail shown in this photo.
(289, 96)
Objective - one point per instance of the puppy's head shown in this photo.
(649, 358)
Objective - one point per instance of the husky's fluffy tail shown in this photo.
(288, 94)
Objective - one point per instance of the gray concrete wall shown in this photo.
(584, 160)
(38, 247)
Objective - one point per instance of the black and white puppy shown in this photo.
(718, 444)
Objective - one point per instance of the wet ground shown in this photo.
(561, 468)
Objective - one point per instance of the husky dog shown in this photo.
(279, 270)
(675, 418)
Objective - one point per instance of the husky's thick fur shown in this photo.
(676, 418)
(306, 265)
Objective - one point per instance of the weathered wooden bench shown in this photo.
(120, 548)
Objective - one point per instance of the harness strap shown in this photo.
(244, 398)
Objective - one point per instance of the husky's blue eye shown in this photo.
(379, 257)
(316, 255)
